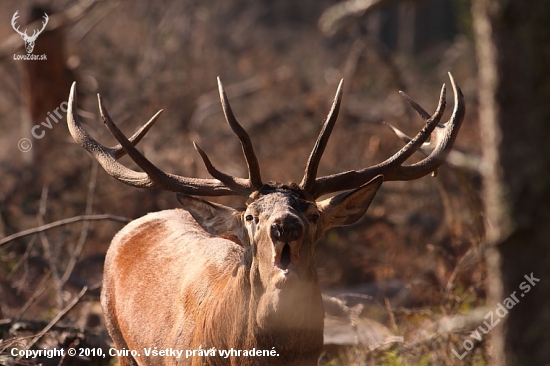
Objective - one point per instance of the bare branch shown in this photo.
(50, 256)
(340, 14)
(39, 291)
(63, 222)
(58, 317)
(85, 226)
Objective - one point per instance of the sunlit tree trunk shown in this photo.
(513, 45)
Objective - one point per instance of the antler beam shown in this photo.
(152, 177)
(442, 139)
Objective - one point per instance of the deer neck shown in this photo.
(279, 314)
(247, 315)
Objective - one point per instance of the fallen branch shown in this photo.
(58, 317)
(63, 222)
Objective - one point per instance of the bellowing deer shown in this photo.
(214, 276)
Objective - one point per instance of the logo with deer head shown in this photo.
(29, 40)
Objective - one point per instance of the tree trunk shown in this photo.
(513, 45)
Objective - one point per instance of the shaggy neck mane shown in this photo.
(230, 320)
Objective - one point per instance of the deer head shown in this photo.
(29, 40)
(243, 277)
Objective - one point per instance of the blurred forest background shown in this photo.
(401, 279)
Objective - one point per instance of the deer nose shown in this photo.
(286, 230)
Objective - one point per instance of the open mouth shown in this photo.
(285, 259)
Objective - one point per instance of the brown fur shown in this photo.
(170, 282)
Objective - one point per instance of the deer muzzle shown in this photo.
(286, 234)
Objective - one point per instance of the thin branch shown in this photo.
(22, 260)
(341, 14)
(58, 317)
(51, 257)
(96, 15)
(391, 314)
(448, 325)
(85, 226)
(350, 68)
(39, 291)
(208, 103)
(468, 259)
(63, 222)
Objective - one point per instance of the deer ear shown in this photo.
(215, 218)
(346, 208)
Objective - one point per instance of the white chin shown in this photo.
(284, 277)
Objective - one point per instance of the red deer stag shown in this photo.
(211, 276)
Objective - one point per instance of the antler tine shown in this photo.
(159, 178)
(118, 151)
(102, 154)
(441, 130)
(442, 139)
(421, 112)
(441, 143)
(254, 176)
(403, 136)
(417, 107)
(431, 122)
(153, 177)
(308, 181)
(242, 186)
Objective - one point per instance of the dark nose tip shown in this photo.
(286, 230)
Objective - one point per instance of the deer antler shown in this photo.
(442, 139)
(308, 181)
(254, 181)
(151, 177)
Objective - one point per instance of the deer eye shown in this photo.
(249, 217)
(313, 218)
